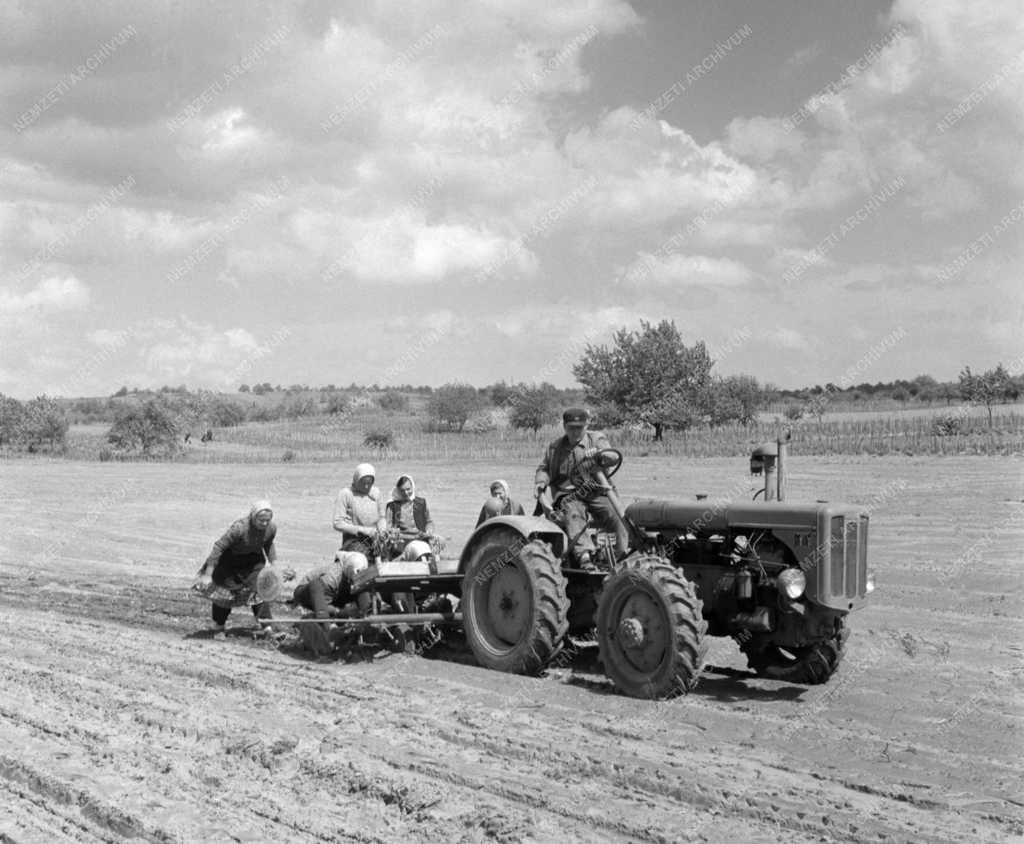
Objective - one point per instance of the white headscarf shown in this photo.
(362, 470)
(258, 506)
(397, 494)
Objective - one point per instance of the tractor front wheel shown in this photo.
(809, 666)
(650, 630)
(514, 607)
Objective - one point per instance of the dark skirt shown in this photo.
(233, 581)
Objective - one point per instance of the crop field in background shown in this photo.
(340, 437)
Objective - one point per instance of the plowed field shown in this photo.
(120, 719)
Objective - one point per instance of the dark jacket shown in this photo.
(420, 515)
(561, 458)
(243, 541)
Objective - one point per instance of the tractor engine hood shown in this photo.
(720, 514)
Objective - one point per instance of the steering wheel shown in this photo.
(609, 460)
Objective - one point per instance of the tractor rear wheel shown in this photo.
(514, 606)
(650, 630)
(808, 666)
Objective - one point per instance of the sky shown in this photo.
(213, 194)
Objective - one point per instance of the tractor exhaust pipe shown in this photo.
(782, 444)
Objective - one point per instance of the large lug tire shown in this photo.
(808, 666)
(650, 630)
(514, 607)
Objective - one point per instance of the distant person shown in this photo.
(407, 515)
(500, 503)
(228, 577)
(326, 589)
(359, 512)
(557, 471)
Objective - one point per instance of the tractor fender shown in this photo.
(528, 527)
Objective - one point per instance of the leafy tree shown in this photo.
(298, 406)
(244, 388)
(793, 411)
(453, 404)
(989, 388)
(534, 407)
(736, 398)
(151, 429)
(45, 422)
(223, 413)
(649, 374)
(501, 393)
(924, 387)
(121, 393)
(12, 418)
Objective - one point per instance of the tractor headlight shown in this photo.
(792, 583)
(869, 584)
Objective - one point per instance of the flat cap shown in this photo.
(575, 416)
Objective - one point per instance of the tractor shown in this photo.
(779, 578)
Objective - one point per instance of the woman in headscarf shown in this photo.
(500, 503)
(229, 575)
(408, 515)
(326, 589)
(359, 512)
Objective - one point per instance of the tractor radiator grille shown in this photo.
(848, 557)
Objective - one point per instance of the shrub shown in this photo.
(288, 456)
(393, 401)
(480, 424)
(949, 425)
(105, 454)
(380, 438)
(338, 403)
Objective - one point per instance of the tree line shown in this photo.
(648, 377)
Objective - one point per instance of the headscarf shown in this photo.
(362, 470)
(416, 549)
(258, 506)
(396, 493)
(504, 485)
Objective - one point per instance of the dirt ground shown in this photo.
(120, 719)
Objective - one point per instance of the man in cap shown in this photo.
(561, 470)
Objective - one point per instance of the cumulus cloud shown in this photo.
(762, 138)
(679, 270)
(284, 161)
(49, 295)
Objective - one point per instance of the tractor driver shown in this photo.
(561, 464)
